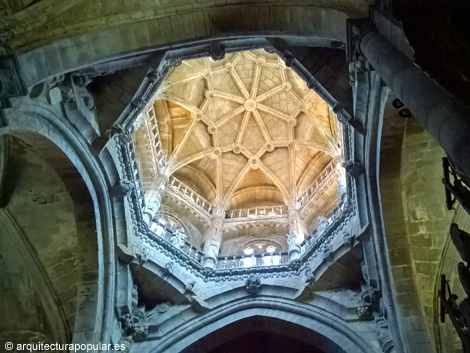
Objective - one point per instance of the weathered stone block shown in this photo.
(422, 240)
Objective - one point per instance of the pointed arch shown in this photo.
(320, 322)
(96, 313)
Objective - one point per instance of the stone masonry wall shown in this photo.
(399, 249)
(55, 218)
(415, 217)
(426, 216)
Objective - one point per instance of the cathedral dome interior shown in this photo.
(235, 176)
(245, 140)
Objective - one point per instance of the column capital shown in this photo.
(217, 222)
(161, 181)
(293, 214)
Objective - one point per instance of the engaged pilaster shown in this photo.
(295, 236)
(155, 200)
(211, 253)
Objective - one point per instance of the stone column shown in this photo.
(432, 105)
(294, 247)
(155, 200)
(211, 253)
(342, 188)
(294, 237)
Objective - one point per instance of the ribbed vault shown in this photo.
(244, 132)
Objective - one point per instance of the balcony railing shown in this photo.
(192, 251)
(318, 185)
(314, 235)
(254, 260)
(154, 136)
(188, 194)
(257, 212)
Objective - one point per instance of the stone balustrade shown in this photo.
(192, 251)
(318, 186)
(130, 158)
(188, 194)
(154, 137)
(256, 212)
(253, 260)
(315, 235)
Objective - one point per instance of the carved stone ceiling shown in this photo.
(244, 131)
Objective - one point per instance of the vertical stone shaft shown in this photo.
(211, 252)
(432, 106)
(152, 208)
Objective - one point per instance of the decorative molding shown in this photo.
(253, 284)
(122, 189)
(353, 168)
(326, 323)
(144, 237)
